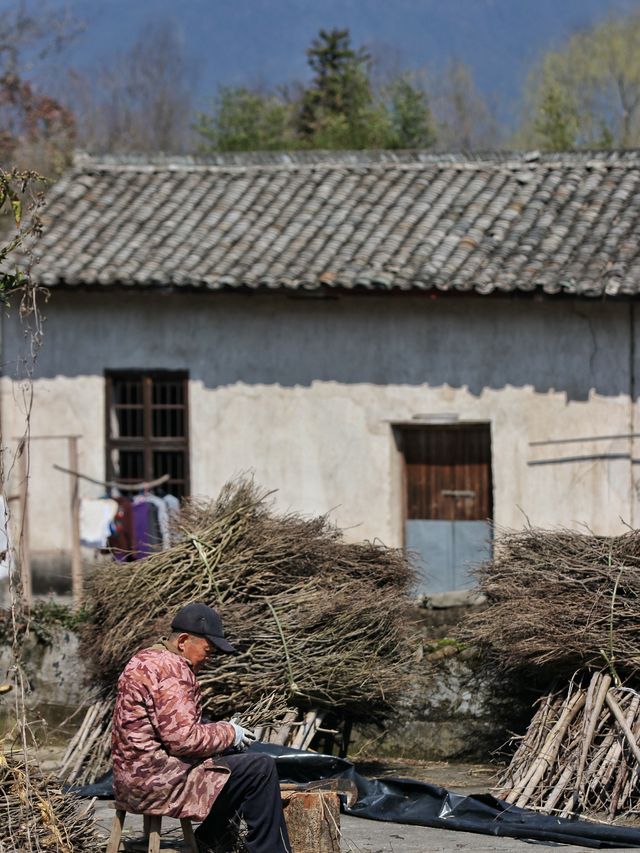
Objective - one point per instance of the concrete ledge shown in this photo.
(458, 598)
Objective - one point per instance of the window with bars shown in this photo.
(148, 428)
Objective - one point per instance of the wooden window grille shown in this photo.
(148, 428)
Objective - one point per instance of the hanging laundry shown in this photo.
(140, 511)
(173, 511)
(173, 504)
(154, 534)
(146, 529)
(121, 540)
(96, 517)
(162, 516)
(142, 526)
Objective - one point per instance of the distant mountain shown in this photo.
(263, 41)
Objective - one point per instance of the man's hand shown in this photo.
(244, 737)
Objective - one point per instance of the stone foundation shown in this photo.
(55, 686)
(455, 708)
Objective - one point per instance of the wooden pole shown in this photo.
(597, 699)
(624, 725)
(283, 732)
(547, 756)
(25, 554)
(76, 555)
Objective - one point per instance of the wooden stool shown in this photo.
(152, 826)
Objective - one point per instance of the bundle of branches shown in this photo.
(35, 814)
(560, 599)
(320, 623)
(580, 754)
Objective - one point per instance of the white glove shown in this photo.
(244, 737)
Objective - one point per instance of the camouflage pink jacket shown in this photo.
(161, 750)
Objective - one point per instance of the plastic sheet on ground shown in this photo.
(400, 800)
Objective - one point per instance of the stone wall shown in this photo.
(455, 708)
(56, 685)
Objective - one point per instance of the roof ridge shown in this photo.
(84, 161)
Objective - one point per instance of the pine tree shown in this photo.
(411, 120)
(338, 105)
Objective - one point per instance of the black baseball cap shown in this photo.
(202, 620)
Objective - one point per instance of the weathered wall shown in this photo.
(455, 706)
(55, 688)
(453, 710)
(304, 391)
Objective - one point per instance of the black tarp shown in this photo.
(400, 800)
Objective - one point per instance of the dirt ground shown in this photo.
(467, 778)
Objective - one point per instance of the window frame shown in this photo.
(147, 443)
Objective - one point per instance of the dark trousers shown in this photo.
(253, 790)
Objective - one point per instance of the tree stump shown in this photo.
(313, 820)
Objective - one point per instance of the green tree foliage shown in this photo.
(21, 199)
(245, 120)
(587, 93)
(556, 121)
(412, 124)
(338, 109)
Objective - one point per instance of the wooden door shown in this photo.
(448, 501)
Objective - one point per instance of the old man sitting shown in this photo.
(168, 761)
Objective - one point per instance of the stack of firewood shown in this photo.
(580, 753)
(320, 623)
(565, 606)
(36, 814)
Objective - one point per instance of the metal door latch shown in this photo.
(458, 493)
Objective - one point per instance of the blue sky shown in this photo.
(234, 42)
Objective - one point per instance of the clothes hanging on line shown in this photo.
(121, 541)
(146, 529)
(172, 502)
(141, 526)
(96, 518)
(161, 535)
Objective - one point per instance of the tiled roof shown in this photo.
(558, 223)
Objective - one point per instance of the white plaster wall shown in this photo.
(303, 392)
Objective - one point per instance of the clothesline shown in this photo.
(114, 484)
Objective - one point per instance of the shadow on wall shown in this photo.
(263, 339)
